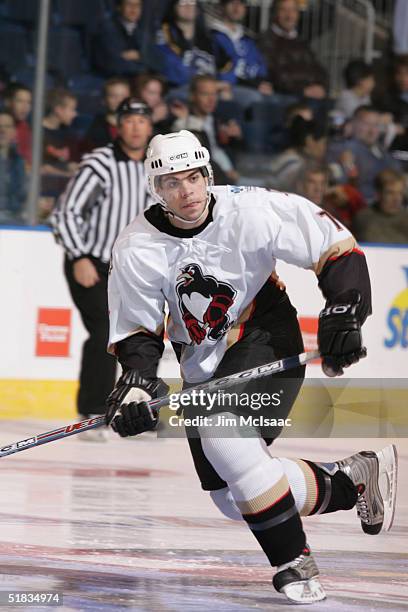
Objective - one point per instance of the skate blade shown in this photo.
(304, 591)
(94, 435)
(388, 471)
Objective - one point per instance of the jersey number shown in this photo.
(324, 213)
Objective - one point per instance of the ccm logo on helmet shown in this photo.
(178, 156)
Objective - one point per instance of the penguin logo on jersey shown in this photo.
(204, 302)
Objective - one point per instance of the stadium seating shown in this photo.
(26, 76)
(13, 46)
(79, 12)
(65, 52)
(228, 109)
(265, 127)
(22, 10)
(87, 89)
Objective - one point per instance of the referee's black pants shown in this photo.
(98, 368)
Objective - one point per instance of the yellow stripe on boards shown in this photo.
(41, 399)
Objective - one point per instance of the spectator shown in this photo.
(312, 182)
(400, 27)
(18, 99)
(399, 149)
(342, 202)
(107, 192)
(395, 99)
(360, 82)
(60, 148)
(362, 157)
(292, 66)
(184, 44)
(238, 58)
(4, 79)
(308, 143)
(12, 172)
(121, 45)
(103, 128)
(200, 118)
(150, 88)
(298, 109)
(387, 220)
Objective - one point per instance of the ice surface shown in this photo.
(126, 526)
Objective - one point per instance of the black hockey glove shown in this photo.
(339, 336)
(128, 412)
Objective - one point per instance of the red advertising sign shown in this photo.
(308, 326)
(53, 332)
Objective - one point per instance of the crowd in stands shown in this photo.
(260, 104)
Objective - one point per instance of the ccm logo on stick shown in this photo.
(21, 444)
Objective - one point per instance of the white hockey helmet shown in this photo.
(175, 152)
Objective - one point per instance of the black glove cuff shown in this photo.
(155, 387)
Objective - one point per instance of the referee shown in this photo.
(107, 192)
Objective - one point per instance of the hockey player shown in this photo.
(210, 254)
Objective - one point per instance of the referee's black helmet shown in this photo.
(133, 106)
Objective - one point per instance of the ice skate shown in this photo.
(299, 581)
(99, 434)
(367, 470)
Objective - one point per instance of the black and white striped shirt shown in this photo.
(106, 194)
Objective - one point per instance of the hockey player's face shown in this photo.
(135, 131)
(185, 193)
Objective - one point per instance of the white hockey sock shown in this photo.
(308, 484)
(297, 482)
(224, 500)
(255, 479)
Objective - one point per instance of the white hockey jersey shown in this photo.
(230, 260)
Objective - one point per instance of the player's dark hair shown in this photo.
(203, 171)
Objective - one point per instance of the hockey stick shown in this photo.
(287, 363)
